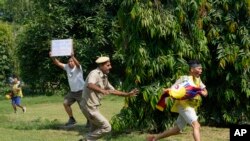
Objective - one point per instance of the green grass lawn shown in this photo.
(45, 117)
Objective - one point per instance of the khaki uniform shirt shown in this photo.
(92, 98)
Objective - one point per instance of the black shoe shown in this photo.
(87, 124)
(83, 139)
(71, 121)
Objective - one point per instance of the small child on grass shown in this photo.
(17, 94)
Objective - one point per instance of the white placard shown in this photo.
(62, 47)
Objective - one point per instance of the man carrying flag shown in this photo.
(185, 104)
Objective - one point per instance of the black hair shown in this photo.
(193, 63)
(15, 76)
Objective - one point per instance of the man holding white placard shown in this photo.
(61, 47)
(76, 83)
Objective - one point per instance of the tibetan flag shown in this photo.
(178, 92)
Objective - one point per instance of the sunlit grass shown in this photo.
(45, 118)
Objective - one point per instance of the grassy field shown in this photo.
(45, 118)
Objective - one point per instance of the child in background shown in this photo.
(17, 95)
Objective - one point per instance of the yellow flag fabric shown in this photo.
(195, 101)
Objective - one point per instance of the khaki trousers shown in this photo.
(99, 125)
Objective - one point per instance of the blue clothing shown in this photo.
(16, 100)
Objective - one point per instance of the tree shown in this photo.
(227, 29)
(16, 11)
(7, 64)
(88, 23)
(158, 37)
(6, 51)
(156, 40)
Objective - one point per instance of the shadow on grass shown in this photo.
(55, 124)
(81, 129)
(43, 124)
(118, 135)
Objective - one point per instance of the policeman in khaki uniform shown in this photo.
(97, 86)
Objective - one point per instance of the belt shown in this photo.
(76, 91)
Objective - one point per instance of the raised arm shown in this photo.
(75, 60)
(56, 61)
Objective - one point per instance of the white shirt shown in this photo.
(75, 78)
(187, 80)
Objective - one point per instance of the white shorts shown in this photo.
(186, 116)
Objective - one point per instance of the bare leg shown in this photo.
(196, 130)
(14, 107)
(20, 106)
(68, 109)
(173, 131)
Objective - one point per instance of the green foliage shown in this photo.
(227, 29)
(17, 11)
(89, 24)
(144, 118)
(156, 40)
(6, 49)
(149, 42)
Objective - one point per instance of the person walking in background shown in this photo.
(97, 86)
(16, 94)
(76, 83)
(186, 108)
